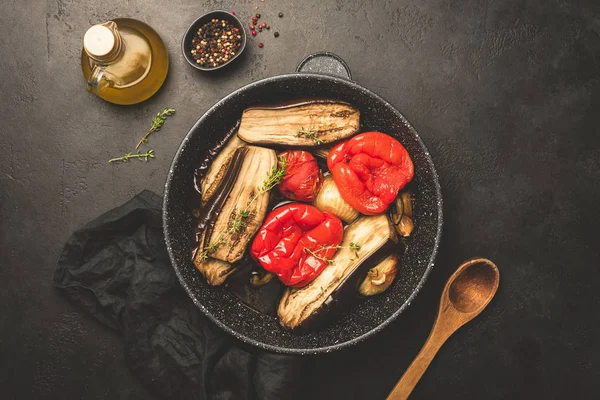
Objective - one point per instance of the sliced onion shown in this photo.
(405, 227)
(380, 277)
(329, 199)
(407, 204)
(258, 280)
(322, 152)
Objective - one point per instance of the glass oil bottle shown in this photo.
(123, 61)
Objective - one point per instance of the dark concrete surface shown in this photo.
(506, 95)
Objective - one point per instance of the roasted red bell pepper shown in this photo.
(303, 178)
(369, 170)
(295, 242)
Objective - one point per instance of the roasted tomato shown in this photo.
(369, 170)
(303, 178)
(296, 241)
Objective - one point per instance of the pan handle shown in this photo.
(325, 63)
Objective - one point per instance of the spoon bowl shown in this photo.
(473, 285)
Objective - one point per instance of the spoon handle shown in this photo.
(415, 370)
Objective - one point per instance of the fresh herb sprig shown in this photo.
(238, 221)
(273, 179)
(212, 247)
(351, 246)
(315, 255)
(157, 123)
(140, 156)
(310, 135)
(275, 175)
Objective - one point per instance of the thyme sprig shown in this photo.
(140, 156)
(238, 221)
(274, 176)
(273, 179)
(315, 255)
(351, 246)
(212, 247)
(157, 123)
(309, 134)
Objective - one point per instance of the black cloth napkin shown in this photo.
(117, 269)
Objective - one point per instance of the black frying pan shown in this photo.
(319, 75)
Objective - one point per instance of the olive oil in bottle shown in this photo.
(124, 61)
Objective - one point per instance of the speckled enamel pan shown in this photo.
(320, 75)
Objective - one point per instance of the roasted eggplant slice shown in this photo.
(300, 307)
(380, 277)
(215, 271)
(329, 199)
(217, 168)
(245, 192)
(305, 123)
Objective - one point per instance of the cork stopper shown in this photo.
(101, 42)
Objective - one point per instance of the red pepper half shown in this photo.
(369, 170)
(295, 242)
(303, 178)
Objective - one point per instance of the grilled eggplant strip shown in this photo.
(302, 306)
(218, 167)
(245, 172)
(207, 163)
(210, 210)
(215, 271)
(257, 164)
(306, 123)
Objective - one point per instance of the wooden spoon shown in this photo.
(468, 291)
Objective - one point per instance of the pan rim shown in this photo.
(313, 350)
